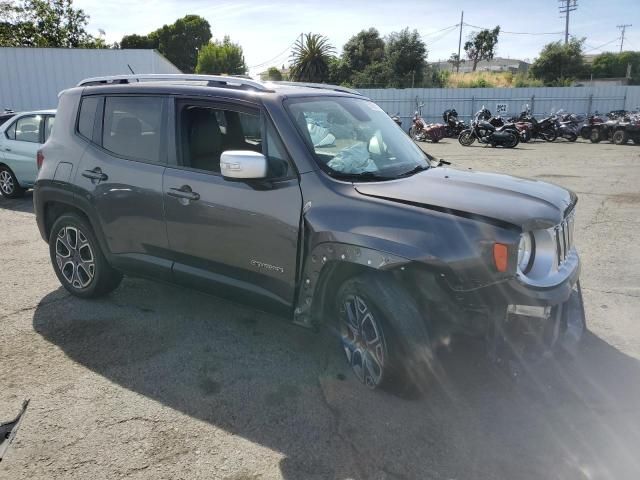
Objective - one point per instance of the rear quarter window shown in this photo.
(87, 116)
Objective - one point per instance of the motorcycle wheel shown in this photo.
(525, 136)
(620, 137)
(585, 132)
(549, 135)
(466, 138)
(435, 140)
(571, 137)
(413, 134)
(595, 136)
(514, 143)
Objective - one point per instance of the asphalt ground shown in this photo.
(155, 381)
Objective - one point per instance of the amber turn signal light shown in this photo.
(501, 256)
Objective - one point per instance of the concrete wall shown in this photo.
(30, 78)
(467, 101)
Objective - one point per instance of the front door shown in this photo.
(121, 176)
(227, 235)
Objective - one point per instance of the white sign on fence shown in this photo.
(502, 108)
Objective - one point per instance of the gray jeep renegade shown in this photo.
(307, 199)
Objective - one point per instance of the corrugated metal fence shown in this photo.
(30, 78)
(467, 101)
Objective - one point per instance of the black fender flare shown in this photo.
(325, 254)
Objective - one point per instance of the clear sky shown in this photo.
(266, 29)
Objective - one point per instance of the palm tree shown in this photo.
(310, 56)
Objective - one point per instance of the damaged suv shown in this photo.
(311, 200)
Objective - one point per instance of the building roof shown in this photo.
(32, 77)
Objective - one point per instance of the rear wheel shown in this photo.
(595, 136)
(413, 133)
(572, 137)
(549, 134)
(585, 132)
(620, 137)
(383, 333)
(515, 140)
(466, 138)
(78, 260)
(9, 186)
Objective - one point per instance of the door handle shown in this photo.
(95, 174)
(184, 192)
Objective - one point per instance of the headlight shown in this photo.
(525, 252)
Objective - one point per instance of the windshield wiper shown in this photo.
(360, 176)
(413, 171)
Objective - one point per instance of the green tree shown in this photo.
(455, 61)
(274, 74)
(406, 57)
(311, 56)
(147, 42)
(221, 57)
(339, 72)
(608, 65)
(374, 75)
(45, 23)
(363, 49)
(481, 45)
(559, 63)
(180, 41)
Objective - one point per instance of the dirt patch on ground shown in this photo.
(632, 197)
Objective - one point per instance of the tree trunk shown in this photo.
(475, 63)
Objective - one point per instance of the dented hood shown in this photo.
(528, 204)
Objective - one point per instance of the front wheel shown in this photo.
(383, 333)
(413, 133)
(595, 136)
(78, 260)
(9, 186)
(620, 137)
(466, 138)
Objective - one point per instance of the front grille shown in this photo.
(564, 238)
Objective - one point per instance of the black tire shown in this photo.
(585, 133)
(620, 137)
(549, 135)
(466, 138)
(376, 314)
(525, 136)
(572, 137)
(595, 136)
(78, 260)
(9, 186)
(435, 140)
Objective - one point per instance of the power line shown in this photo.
(277, 56)
(603, 45)
(441, 30)
(623, 28)
(566, 7)
(515, 33)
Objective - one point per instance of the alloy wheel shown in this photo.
(6, 183)
(74, 257)
(362, 340)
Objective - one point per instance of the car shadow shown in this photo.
(22, 204)
(288, 389)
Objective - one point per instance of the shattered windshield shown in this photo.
(352, 137)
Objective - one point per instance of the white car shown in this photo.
(20, 139)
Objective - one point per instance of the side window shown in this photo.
(206, 132)
(87, 116)
(10, 133)
(48, 126)
(133, 127)
(28, 129)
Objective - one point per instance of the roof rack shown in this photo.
(324, 86)
(212, 80)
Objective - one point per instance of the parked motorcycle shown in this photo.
(543, 129)
(396, 118)
(499, 122)
(452, 125)
(483, 131)
(567, 125)
(422, 131)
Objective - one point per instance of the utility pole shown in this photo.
(623, 28)
(566, 7)
(459, 42)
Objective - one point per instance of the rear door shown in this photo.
(228, 233)
(20, 146)
(121, 176)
